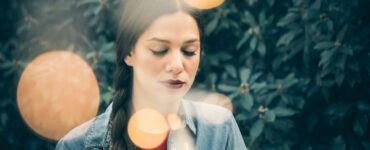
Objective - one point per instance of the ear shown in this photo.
(128, 59)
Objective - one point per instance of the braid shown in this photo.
(121, 108)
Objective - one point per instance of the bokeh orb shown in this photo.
(56, 92)
(175, 122)
(147, 128)
(220, 100)
(204, 4)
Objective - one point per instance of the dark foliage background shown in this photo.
(297, 71)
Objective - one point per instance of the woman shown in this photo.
(158, 51)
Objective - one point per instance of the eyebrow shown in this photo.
(166, 41)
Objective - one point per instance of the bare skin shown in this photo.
(168, 50)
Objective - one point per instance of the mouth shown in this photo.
(174, 84)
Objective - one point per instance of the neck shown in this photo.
(162, 105)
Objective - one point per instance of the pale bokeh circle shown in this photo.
(56, 92)
(147, 128)
(175, 122)
(219, 100)
(204, 4)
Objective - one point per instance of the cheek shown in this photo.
(148, 65)
(192, 66)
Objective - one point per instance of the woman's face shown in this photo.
(166, 57)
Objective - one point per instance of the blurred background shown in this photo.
(296, 71)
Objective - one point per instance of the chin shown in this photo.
(171, 96)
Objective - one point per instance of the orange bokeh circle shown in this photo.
(56, 92)
(204, 4)
(147, 128)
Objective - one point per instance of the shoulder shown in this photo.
(216, 123)
(75, 138)
(207, 112)
(89, 134)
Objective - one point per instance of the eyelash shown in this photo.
(159, 53)
(162, 52)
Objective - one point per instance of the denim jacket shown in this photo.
(213, 128)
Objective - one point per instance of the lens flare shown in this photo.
(204, 4)
(56, 92)
(213, 98)
(219, 100)
(147, 128)
(175, 122)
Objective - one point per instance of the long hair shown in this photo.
(137, 16)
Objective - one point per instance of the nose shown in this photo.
(175, 63)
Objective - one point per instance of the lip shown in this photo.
(174, 84)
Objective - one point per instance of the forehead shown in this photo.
(172, 27)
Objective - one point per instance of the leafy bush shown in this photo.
(297, 71)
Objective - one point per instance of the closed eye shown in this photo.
(188, 53)
(159, 53)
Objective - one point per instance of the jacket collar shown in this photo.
(99, 134)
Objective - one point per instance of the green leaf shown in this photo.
(262, 18)
(325, 94)
(342, 33)
(358, 128)
(326, 56)
(247, 101)
(289, 18)
(245, 74)
(228, 88)
(108, 47)
(256, 129)
(312, 120)
(262, 48)
(4, 119)
(98, 9)
(6, 65)
(251, 2)
(271, 2)
(241, 116)
(212, 77)
(257, 87)
(341, 61)
(109, 56)
(286, 38)
(231, 70)
(338, 143)
(366, 144)
(107, 97)
(90, 55)
(255, 76)
(250, 18)
(233, 95)
(316, 5)
(347, 50)
(270, 116)
(253, 43)
(283, 124)
(211, 26)
(339, 79)
(277, 62)
(324, 45)
(84, 2)
(243, 40)
(283, 111)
